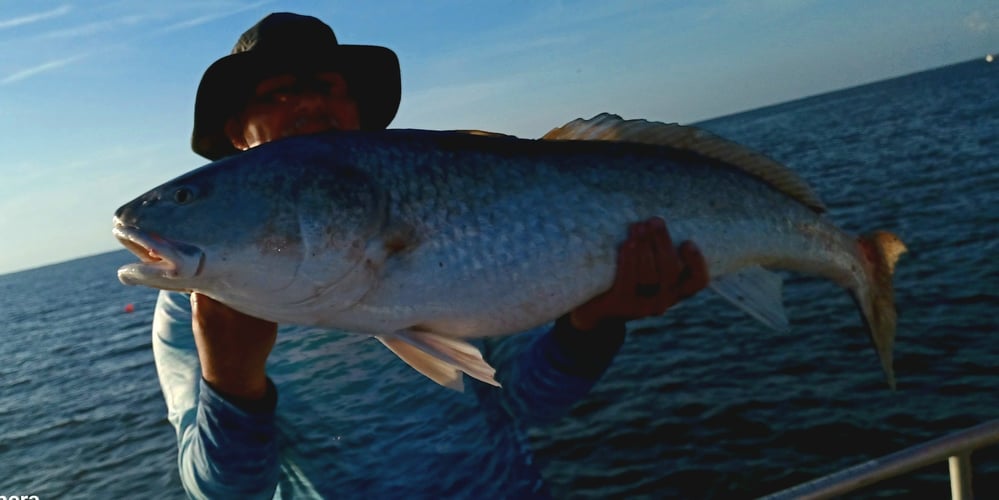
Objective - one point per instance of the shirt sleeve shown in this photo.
(547, 371)
(225, 450)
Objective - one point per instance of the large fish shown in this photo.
(424, 239)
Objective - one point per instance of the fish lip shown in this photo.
(160, 258)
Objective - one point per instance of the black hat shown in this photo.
(290, 43)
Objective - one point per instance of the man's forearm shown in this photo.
(585, 354)
(544, 374)
(232, 450)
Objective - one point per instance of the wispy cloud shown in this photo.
(978, 22)
(197, 21)
(78, 31)
(41, 68)
(31, 18)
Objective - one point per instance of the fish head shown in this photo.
(259, 230)
(208, 230)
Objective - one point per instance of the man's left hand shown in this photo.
(652, 275)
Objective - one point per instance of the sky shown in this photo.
(97, 97)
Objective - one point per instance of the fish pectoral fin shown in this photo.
(435, 369)
(440, 358)
(756, 291)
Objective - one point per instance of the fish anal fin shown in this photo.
(440, 358)
(756, 291)
(609, 127)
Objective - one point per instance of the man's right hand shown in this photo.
(233, 348)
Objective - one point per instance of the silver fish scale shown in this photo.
(506, 240)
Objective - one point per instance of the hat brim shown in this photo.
(371, 72)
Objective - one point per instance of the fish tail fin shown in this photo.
(880, 251)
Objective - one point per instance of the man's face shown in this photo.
(289, 105)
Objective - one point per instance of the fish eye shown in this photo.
(183, 195)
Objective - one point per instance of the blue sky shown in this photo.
(96, 98)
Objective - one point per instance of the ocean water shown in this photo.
(702, 403)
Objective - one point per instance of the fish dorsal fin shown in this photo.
(608, 127)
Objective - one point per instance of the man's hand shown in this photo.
(233, 348)
(652, 275)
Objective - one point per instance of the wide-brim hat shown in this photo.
(290, 43)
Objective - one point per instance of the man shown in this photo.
(288, 76)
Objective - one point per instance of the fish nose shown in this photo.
(123, 217)
(127, 213)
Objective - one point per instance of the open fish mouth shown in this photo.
(161, 259)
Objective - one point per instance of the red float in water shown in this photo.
(129, 308)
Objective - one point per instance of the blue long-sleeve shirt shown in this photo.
(228, 450)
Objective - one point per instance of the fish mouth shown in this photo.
(161, 260)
